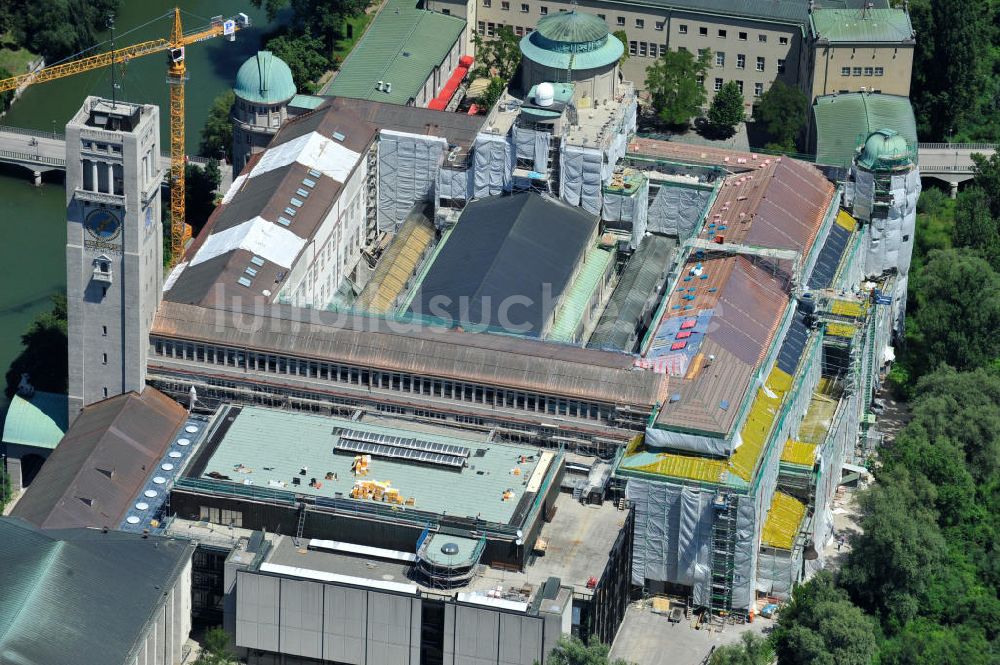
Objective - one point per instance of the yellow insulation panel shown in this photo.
(799, 452)
(818, 419)
(845, 220)
(851, 308)
(755, 430)
(840, 330)
(782, 523)
(396, 267)
(686, 466)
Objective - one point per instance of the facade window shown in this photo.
(722, 34)
(519, 31)
(857, 71)
(633, 48)
(718, 84)
(739, 84)
(845, 71)
(602, 17)
(760, 63)
(643, 51)
(742, 36)
(543, 10)
(720, 59)
(482, 27)
(879, 71)
(869, 71)
(701, 80)
(783, 41)
(758, 89)
(701, 52)
(104, 330)
(653, 50)
(781, 66)
(741, 61)
(524, 7)
(446, 11)
(487, 3)
(505, 5)
(621, 21)
(491, 29)
(762, 38)
(703, 31)
(105, 391)
(104, 359)
(659, 25)
(682, 29)
(640, 23)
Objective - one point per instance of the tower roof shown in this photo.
(885, 149)
(264, 78)
(572, 27)
(572, 40)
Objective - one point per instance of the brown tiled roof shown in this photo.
(92, 476)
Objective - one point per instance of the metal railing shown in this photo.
(957, 146)
(6, 129)
(33, 159)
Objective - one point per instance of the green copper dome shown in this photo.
(885, 149)
(264, 79)
(572, 40)
(572, 27)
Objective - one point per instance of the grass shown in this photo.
(355, 26)
(14, 58)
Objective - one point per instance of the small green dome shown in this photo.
(885, 149)
(264, 79)
(572, 27)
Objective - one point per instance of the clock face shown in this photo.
(103, 225)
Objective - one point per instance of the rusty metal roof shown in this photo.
(89, 480)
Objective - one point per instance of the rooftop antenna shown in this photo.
(111, 25)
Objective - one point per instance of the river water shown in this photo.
(32, 220)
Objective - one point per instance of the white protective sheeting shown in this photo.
(313, 150)
(706, 445)
(628, 213)
(864, 194)
(492, 165)
(259, 236)
(676, 211)
(233, 188)
(581, 180)
(534, 145)
(778, 571)
(890, 238)
(408, 167)
(454, 184)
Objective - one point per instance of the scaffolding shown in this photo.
(723, 553)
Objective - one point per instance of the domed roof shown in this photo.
(885, 149)
(573, 27)
(265, 79)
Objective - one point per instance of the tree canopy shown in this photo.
(675, 85)
(217, 134)
(782, 111)
(57, 28)
(304, 54)
(215, 649)
(752, 649)
(497, 56)
(571, 650)
(45, 357)
(200, 185)
(726, 110)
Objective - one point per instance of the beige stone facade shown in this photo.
(841, 68)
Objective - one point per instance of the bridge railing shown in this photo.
(32, 132)
(32, 158)
(958, 146)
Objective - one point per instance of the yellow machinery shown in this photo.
(176, 75)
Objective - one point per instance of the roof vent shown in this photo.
(451, 549)
(545, 94)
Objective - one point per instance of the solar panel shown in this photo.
(396, 452)
(405, 442)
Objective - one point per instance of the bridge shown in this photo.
(951, 162)
(40, 151)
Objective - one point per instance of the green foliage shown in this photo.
(987, 174)
(58, 28)
(492, 93)
(304, 54)
(956, 314)
(200, 185)
(820, 626)
(573, 651)
(5, 97)
(622, 36)
(45, 356)
(215, 649)
(674, 84)
(217, 134)
(927, 643)
(726, 110)
(782, 112)
(497, 56)
(6, 489)
(751, 650)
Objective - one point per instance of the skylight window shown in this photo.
(308, 183)
(284, 221)
(243, 281)
(297, 202)
(257, 261)
(314, 173)
(302, 192)
(290, 211)
(251, 271)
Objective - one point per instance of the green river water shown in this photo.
(32, 220)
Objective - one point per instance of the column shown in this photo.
(954, 190)
(111, 178)
(93, 177)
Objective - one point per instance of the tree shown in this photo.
(6, 490)
(216, 650)
(927, 643)
(820, 626)
(304, 55)
(751, 650)
(200, 186)
(957, 312)
(498, 56)
(782, 112)
(726, 110)
(622, 36)
(8, 96)
(675, 84)
(59, 28)
(45, 355)
(987, 175)
(217, 134)
(493, 93)
(573, 651)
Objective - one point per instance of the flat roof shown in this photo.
(269, 448)
(402, 46)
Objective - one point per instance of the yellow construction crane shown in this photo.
(176, 75)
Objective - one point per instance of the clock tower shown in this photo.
(114, 246)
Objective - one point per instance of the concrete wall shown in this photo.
(164, 641)
(863, 62)
(109, 321)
